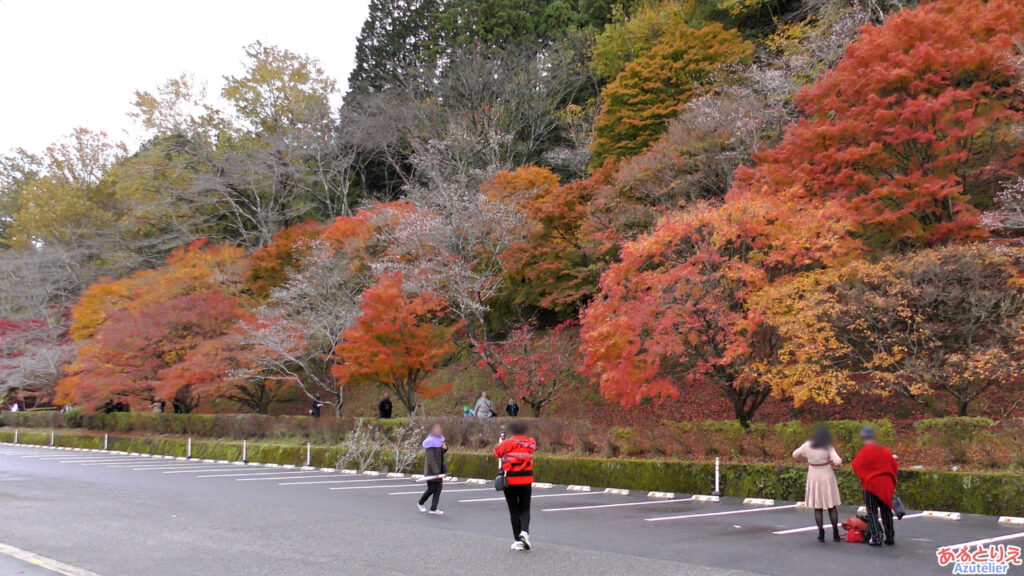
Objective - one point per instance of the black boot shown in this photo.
(821, 534)
(835, 535)
(873, 542)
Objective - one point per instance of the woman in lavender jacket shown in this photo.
(434, 469)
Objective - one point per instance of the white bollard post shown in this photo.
(105, 440)
(718, 489)
(244, 446)
(51, 437)
(307, 454)
(15, 436)
(189, 453)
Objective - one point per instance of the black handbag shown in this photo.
(500, 483)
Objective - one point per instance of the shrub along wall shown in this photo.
(975, 493)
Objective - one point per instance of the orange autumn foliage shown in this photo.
(397, 341)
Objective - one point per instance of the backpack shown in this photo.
(855, 529)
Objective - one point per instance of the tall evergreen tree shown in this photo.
(396, 34)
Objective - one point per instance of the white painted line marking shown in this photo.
(383, 486)
(178, 467)
(562, 495)
(727, 513)
(235, 472)
(446, 491)
(338, 482)
(813, 528)
(987, 540)
(619, 505)
(97, 460)
(217, 470)
(296, 475)
(48, 563)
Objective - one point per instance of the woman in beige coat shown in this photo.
(822, 488)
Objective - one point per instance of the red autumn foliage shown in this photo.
(676, 311)
(269, 266)
(132, 354)
(536, 366)
(131, 331)
(396, 342)
(912, 129)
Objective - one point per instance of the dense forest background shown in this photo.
(626, 211)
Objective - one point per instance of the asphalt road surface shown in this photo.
(111, 514)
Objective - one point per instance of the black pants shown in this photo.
(433, 489)
(518, 499)
(874, 504)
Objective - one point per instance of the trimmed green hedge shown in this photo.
(975, 493)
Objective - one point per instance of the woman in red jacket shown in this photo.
(516, 455)
(877, 467)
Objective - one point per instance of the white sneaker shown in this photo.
(524, 538)
(518, 546)
(421, 507)
(437, 512)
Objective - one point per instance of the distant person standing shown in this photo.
(822, 489)
(433, 468)
(484, 407)
(314, 410)
(876, 466)
(385, 407)
(516, 457)
(512, 408)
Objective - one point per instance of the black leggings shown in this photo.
(433, 489)
(518, 499)
(874, 504)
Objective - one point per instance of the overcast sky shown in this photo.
(74, 63)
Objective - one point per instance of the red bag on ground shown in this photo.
(855, 528)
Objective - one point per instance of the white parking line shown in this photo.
(443, 492)
(727, 513)
(619, 505)
(566, 495)
(299, 475)
(984, 541)
(189, 467)
(813, 528)
(120, 463)
(234, 472)
(252, 472)
(104, 459)
(386, 486)
(47, 563)
(340, 481)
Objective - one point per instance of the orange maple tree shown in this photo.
(398, 339)
(131, 331)
(677, 311)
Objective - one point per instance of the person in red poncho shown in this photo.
(516, 456)
(876, 467)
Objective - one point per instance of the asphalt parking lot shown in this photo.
(113, 514)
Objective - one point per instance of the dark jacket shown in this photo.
(433, 462)
(384, 408)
